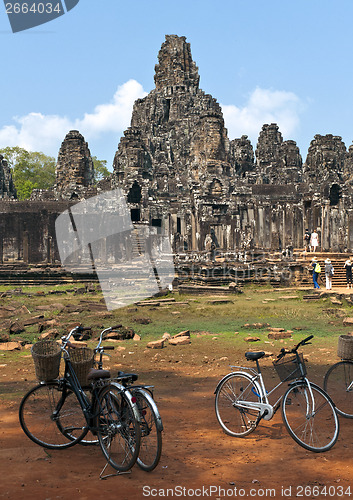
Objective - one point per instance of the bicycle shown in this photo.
(338, 381)
(150, 421)
(58, 414)
(241, 402)
(149, 418)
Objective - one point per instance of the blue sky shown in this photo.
(275, 61)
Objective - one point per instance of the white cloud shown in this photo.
(264, 106)
(39, 132)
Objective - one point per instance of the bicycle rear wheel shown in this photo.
(118, 428)
(338, 384)
(151, 430)
(311, 420)
(51, 416)
(234, 419)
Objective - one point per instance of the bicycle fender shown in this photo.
(151, 401)
(298, 382)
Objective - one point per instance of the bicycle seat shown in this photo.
(128, 376)
(253, 356)
(95, 374)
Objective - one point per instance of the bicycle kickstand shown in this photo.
(116, 473)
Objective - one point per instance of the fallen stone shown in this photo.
(4, 337)
(33, 321)
(288, 297)
(348, 321)
(335, 300)
(219, 301)
(49, 334)
(252, 339)
(166, 335)
(143, 321)
(16, 327)
(272, 329)
(185, 333)
(157, 344)
(180, 340)
(279, 335)
(136, 337)
(10, 346)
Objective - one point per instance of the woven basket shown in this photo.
(345, 347)
(46, 356)
(82, 360)
(288, 368)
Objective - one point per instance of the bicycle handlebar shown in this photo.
(292, 351)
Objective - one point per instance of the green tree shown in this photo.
(100, 169)
(30, 170)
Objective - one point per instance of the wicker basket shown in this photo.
(287, 368)
(345, 347)
(82, 360)
(46, 355)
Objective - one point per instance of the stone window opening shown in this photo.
(178, 225)
(158, 224)
(135, 215)
(134, 195)
(335, 194)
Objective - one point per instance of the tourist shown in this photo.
(307, 240)
(328, 274)
(348, 266)
(316, 271)
(314, 241)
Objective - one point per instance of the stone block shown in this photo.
(180, 340)
(157, 344)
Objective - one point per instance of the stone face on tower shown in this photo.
(176, 69)
(74, 169)
(7, 188)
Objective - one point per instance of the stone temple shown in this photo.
(182, 174)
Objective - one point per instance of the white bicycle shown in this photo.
(309, 415)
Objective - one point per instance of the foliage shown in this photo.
(30, 170)
(100, 169)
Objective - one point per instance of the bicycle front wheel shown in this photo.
(51, 416)
(151, 430)
(232, 394)
(118, 428)
(338, 384)
(310, 417)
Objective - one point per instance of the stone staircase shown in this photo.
(337, 260)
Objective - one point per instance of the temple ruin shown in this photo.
(182, 174)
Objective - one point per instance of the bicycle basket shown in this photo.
(46, 356)
(82, 359)
(287, 368)
(345, 347)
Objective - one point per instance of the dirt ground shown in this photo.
(198, 459)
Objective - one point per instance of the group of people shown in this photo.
(329, 272)
(311, 241)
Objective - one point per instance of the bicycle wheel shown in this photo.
(51, 416)
(151, 430)
(338, 384)
(236, 420)
(311, 420)
(90, 438)
(118, 428)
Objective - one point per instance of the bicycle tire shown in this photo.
(316, 431)
(337, 382)
(40, 423)
(236, 421)
(118, 428)
(151, 430)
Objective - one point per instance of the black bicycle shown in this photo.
(59, 413)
